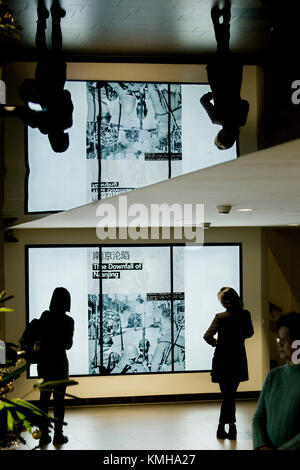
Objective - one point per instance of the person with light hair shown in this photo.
(229, 365)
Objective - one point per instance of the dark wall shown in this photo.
(282, 69)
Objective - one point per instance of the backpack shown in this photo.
(31, 341)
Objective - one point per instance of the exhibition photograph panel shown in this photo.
(137, 309)
(148, 132)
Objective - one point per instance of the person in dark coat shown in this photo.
(229, 365)
(223, 104)
(54, 113)
(57, 329)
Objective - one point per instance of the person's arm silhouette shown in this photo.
(209, 107)
(244, 110)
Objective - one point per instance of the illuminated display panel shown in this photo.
(149, 132)
(152, 301)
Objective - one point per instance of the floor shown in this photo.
(180, 426)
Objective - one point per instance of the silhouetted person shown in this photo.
(57, 329)
(47, 88)
(229, 365)
(225, 78)
(276, 423)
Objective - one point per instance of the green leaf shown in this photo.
(39, 383)
(4, 299)
(60, 392)
(14, 375)
(20, 415)
(7, 405)
(26, 404)
(71, 396)
(55, 383)
(10, 421)
(32, 414)
(27, 425)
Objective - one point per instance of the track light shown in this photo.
(223, 209)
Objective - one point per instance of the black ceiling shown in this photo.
(149, 30)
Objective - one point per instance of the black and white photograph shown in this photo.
(133, 328)
(134, 120)
(136, 334)
(148, 133)
(150, 231)
(92, 116)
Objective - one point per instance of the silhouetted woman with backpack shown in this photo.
(57, 329)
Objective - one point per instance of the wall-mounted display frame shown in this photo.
(138, 309)
(125, 135)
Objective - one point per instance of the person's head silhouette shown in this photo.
(226, 138)
(59, 141)
(60, 300)
(229, 298)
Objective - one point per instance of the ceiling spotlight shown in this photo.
(223, 209)
(9, 108)
(244, 210)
